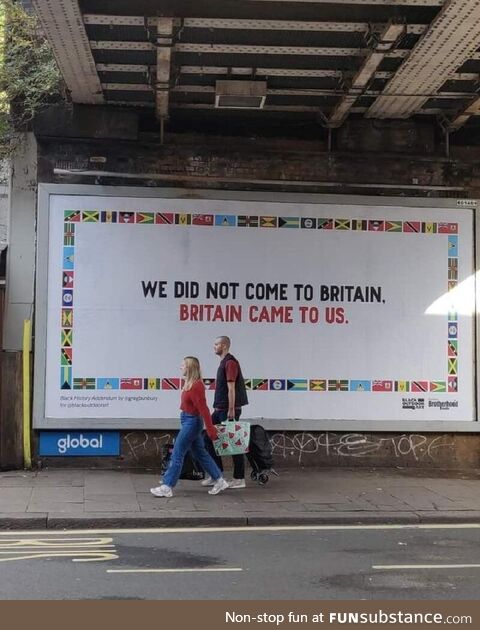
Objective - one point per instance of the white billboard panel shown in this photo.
(335, 311)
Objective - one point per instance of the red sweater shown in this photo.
(194, 402)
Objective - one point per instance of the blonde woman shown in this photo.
(194, 407)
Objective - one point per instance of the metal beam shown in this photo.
(210, 89)
(452, 39)
(241, 24)
(164, 54)
(460, 119)
(61, 21)
(220, 49)
(387, 3)
(385, 43)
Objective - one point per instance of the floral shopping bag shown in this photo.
(233, 438)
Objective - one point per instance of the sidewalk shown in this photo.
(55, 499)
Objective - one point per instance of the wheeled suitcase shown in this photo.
(260, 455)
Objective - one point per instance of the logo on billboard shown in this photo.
(443, 405)
(413, 403)
(84, 444)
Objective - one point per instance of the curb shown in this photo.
(118, 520)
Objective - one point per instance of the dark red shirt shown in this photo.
(194, 402)
(231, 371)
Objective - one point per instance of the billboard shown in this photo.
(339, 312)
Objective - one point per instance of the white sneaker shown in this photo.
(208, 481)
(218, 486)
(162, 491)
(237, 483)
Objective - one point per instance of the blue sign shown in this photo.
(83, 444)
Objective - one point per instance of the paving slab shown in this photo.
(59, 498)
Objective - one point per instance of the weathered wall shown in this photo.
(366, 158)
(143, 449)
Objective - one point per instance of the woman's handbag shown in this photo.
(233, 438)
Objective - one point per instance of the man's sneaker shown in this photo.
(218, 486)
(237, 483)
(162, 491)
(208, 481)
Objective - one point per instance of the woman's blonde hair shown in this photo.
(193, 372)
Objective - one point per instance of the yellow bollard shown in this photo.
(27, 337)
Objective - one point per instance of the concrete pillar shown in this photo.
(19, 297)
(21, 250)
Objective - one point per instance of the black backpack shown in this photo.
(190, 470)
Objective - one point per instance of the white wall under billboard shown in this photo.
(337, 312)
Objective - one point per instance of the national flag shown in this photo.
(226, 220)
(419, 386)
(247, 221)
(90, 216)
(209, 383)
(438, 386)
(453, 245)
(67, 297)
(83, 383)
(297, 384)
(453, 268)
(73, 215)
(453, 384)
(452, 330)
(411, 226)
(268, 222)
(376, 226)
(325, 224)
(66, 356)
(308, 223)
(429, 228)
(359, 224)
(318, 385)
(69, 234)
(248, 383)
(452, 316)
(452, 365)
(126, 217)
(67, 317)
(393, 226)
(260, 384)
(447, 228)
(170, 383)
(108, 383)
(360, 386)
(151, 383)
(342, 224)
(68, 257)
(338, 386)
(402, 386)
(65, 377)
(131, 383)
(67, 279)
(288, 222)
(145, 217)
(202, 219)
(452, 284)
(183, 218)
(277, 384)
(66, 337)
(452, 347)
(382, 386)
(108, 216)
(164, 218)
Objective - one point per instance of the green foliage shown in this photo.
(29, 75)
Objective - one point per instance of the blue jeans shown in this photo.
(189, 438)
